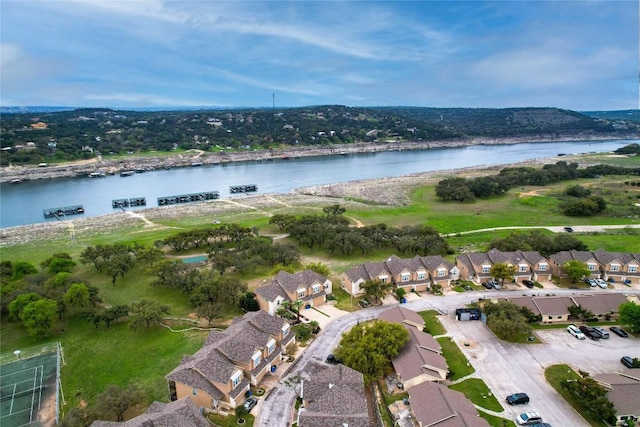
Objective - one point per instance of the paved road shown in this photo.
(553, 228)
(506, 368)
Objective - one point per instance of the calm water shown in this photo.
(23, 204)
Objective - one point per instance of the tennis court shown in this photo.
(27, 386)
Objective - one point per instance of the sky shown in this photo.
(573, 54)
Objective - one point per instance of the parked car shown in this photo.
(590, 332)
(528, 418)
(591, 282)
(497, 285)
(619, 332)
(573, 330)
(628, 362)
(488, 285)
(540, 425)
(250, 403)
(333, 359)
(518, 399)
(528, 283)
(602, 283)
(364, 303)
(603, 334)
(568, 229)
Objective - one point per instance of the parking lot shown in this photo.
(509, 368)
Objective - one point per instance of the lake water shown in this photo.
(24, 203)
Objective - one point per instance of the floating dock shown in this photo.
(247, 188)
(127, 173)
(67, 210)
(188, 198)
(125, 203)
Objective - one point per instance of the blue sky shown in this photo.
(580, 55)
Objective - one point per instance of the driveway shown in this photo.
(323, 314)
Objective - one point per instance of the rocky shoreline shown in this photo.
(196, 157)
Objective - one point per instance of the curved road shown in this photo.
(505, 367)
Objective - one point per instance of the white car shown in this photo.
(528, 418)
(573, 330)
(602, 283)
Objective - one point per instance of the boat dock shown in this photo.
(248, 188)
(125, 203)
(58, 212)
(127, 173)
(188, 198)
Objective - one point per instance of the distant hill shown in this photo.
(632, 115)
(39, 135)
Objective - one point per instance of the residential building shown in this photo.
(559, 259)
(179, 413)
(555, 309)
(421, 357)
(619, 267)
(418, 274)
(310, 287)
(622, 390)
(435, 405)
(218, 376)
(334, 396)
(529, 265)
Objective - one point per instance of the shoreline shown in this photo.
(390, 191)
(115, 166)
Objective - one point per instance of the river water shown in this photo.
(24, 203)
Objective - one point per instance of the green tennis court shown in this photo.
(27, 386)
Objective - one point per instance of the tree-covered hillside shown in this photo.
(31, 138)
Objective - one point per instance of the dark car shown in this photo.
(364, 303)
(528, 283)
(250, 403)
(540, 425)
(518, 399)
(628, 362)
(619, 332)
(333, 359)
(491, 284)
(568, 229)
(590, 332)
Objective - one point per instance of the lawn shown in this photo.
(477, 391)
(459, 366)
(496, 421)
(431, 323)
(557, 375)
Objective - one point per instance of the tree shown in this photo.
(369, 347)
(16, 307)
(77, 296)
(248, 302)
(503, 270)
(576, 270)
(22, 268)
(334, 210)
(630, 315)
(593, 397)
(454, 189)
(114, 401)
(375, 290)
(146, 313)
(38, 317)
(296, 306)
(506, 319)
(579, 312)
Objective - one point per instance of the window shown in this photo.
(326, 285)
(194, 392)
(633, 269)
(542, 266)
(591, 267)
(405, 277)
(422, 275)
(301, 293)
(522, 268)
(316, 289)
(256, 359)
(285, 329)
(235, 379)
(271, 345)
(486, 269)
(442, 272)
(550, 317)
(383, 279)
(615, 267)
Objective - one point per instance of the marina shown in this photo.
(59, 212)
(188, 198)
(248, 188)
(125, 203)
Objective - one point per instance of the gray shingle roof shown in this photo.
(419, 356)
(399, 314)
(286, 284)
(180, 413)
(334, 396)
